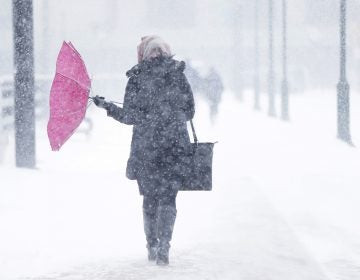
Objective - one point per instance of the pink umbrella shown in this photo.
(68, 96)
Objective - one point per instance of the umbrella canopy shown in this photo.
(68, 96)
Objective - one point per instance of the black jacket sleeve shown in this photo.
(130, 113)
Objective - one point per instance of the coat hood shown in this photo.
(160, 65)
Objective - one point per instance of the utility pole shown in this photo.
(24, 83)
(284, 84)
(271, 75)
(112, 16)
(237, 51)
(343, 96)
(256, 54)
(45, 39)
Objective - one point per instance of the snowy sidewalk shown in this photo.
(230, 233)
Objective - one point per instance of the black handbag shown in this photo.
(197, 166)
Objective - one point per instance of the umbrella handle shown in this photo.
(111, 101)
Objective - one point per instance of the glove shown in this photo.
(99, 101)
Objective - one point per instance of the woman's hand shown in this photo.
(100, 102)
(112, 110)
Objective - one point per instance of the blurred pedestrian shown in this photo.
(158, 102)
(213, 92)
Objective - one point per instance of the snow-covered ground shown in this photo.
(285, 203)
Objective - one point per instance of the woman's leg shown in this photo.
(166, 220)
(150, 207)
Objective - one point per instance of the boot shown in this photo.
(166, 221)
(150, 228)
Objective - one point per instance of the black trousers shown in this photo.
(159, 213)
(152, 202)
(159, 208)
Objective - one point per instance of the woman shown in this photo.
(158, 102)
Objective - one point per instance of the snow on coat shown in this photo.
(158, 102)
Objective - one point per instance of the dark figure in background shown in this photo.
(213, 92)
(210, 88)
(195, 79)
(158, 102)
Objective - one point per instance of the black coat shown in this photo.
(158, 102)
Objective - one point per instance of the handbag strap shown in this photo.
(193, 132)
